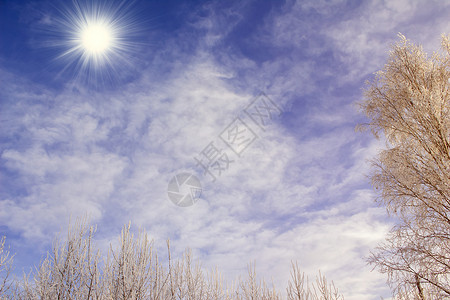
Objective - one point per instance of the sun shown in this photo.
(96, 38)
(97, 41)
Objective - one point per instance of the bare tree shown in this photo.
(6, 260)
(408, 102)
(70, 270)
(132, 271)
(299, 287)
(128, 273)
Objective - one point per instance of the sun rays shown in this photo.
(95, 40)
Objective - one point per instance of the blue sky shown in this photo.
(106, 140)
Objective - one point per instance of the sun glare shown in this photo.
(96, 38)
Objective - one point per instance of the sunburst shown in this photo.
(95, 39)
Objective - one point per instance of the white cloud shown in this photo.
(241, 217)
